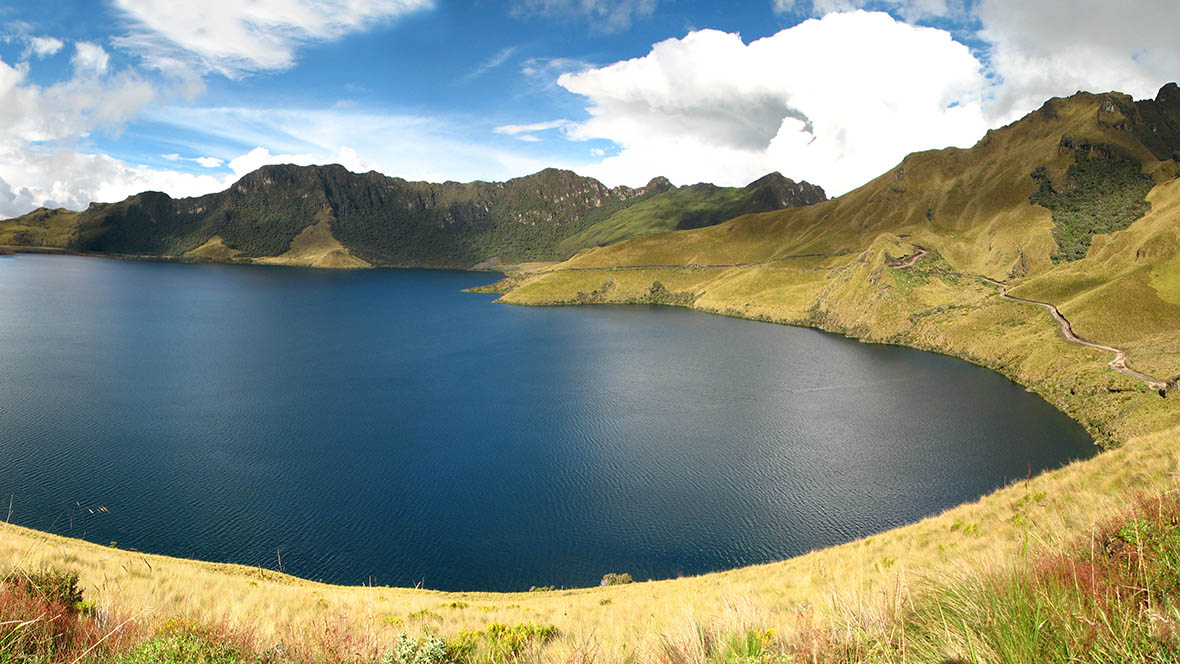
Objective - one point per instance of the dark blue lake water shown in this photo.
(381, 424)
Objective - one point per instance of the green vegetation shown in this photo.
(695, 206)
(1114, 597)
(616, 579)
(1102, 193)
(185, 648)
(387, 221)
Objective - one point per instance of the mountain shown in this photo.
(695, 206)
(330, 217)
(1077, 206)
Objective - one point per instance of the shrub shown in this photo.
(613, 579)
(186, 648)
(1102, 193)
(425, 649)
(54, 585)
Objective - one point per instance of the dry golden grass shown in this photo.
(315, 246)
(214, 249)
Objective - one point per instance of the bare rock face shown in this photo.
(782, 192)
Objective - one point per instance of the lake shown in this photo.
(381, 425)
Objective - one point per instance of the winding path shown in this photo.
(1121, 356)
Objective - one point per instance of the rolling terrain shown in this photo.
(1049, 251)
(327, 216)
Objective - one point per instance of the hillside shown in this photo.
(1074, 205)
(1075, 208)
(327, 216)
(695, 206)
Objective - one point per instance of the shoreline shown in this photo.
(14, 249)
(1055, 508)
(1095, 439)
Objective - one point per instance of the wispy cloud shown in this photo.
(602, 15)
(527, 132)
(206, 162)
(493, 62)
(236, 38)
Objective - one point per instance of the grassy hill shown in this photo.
(695, 206)
(1077, 564)
(373, 220)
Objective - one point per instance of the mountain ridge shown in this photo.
(376, 220)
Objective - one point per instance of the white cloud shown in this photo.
(90, 58)
(234, 37)
(64, 177)
(820, 101)
(526, 132)
(604, 15)
(206, 162)
(42, 47)
(70, 109)
(911, 10)
(39, 125)
(1040, 50)
(260, 156)
(493, 62)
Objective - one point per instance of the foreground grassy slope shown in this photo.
(847, 265)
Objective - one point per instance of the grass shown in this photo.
(705, 205)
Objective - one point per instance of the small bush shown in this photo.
(425, 649)
(182, 649)
(38, 626)
(54, 585)
(613, 579)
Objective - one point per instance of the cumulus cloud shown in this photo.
(90, 58)
(1039, 50)
(235, 38)
(833, 101)
(40, 125)
(42, 47)
(604, 15)
(65, 177)
(70, 109)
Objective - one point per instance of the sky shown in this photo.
(100, 99)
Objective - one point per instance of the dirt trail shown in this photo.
(909, 262)
(1121, 356)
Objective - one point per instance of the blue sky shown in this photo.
(103, 98)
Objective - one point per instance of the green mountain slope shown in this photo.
(695, 206)
(1105, 251)
(328, 216)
